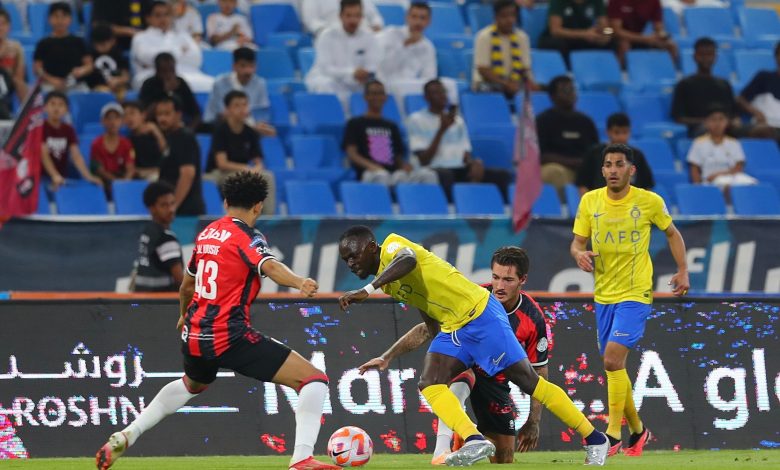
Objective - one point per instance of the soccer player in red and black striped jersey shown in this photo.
(223, 278)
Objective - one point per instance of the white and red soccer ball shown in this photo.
(350, 446)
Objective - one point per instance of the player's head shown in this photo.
(375, 96)
(418, 17)
(510, 271)
(56, 105)
(351, 14)
(245, 191)
(505, 15)
(244, 64)
(358, 248)
(717, 121)
(618, 128)
(617, 166)
(158, 198)
(562, 92)
(705, 52)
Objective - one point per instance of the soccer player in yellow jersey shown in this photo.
(618, 219)
(467, 325)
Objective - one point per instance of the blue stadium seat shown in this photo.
(358, 107)
(128, 197)
(572, 199)
(716, 23)
(762, 157)
(649, 118)
(452, 41)
(212, 198)
(547, 64)
(204, 143)
(289, 41)
(451, 64)
(596, 70)
(414, 103)
(671, 22)
(651, 70)
(38, 20)
(393, 15)
(761, 199)
(80, 198)
(547, 204)
(305, 59)
(486, 114)
(274, 155)
(421, 199)
(205, 9)
(723, 67)
(760, 26)
(319, 114)
(280, 112)
(366, 199)
(479, 15)
(696, 199)
(44, 208)
(494, 153)
(17, 24)
(85, 107)
(749, 62)
(305, 198)
(85, 147)
(661, 190)
(671, 179)
(275, 64)
(599, 105)
(540, 100)
(216, 62)
(683, 146)
(315, 151)
(477, 199)
(29, 63)
(445, 19)
(658, 153)
(272, 18)
(534, 22)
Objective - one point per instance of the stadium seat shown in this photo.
(486, 114)
(421, 199)
(445, 19)
(315, 151)
(671, 179)
(452, 41)
(762, 157)
(749, 62)
(306, 198)
(683, 146)
(599, 105)
(696, 199)
(451, 64)
(723, 67)
(534, 22)
(80, 198)
(477, 199)
(494, 153)
(44, 207)
(204, 143)
(414, 103)
(760, 27)
(275, 64)
(216, 62)
(272, 18)
(713, 22)
(128, 197)
(479, 15)
(596, 70)
(274, 155)
(661, 190)
(547, 204)
(212, 198)
(206, 9)
(547, 64)
(540, 100)
(761, 199)
(305, 60)
(572, 199)
(319, 114)
(390, 111)
(658, 153)
(280, 112)
(392, 14)
(85, 107)
(366, 199)
(651, 70)
(671, 22)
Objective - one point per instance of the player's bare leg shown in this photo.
(505, 447)
(312, 386)
(621, 403)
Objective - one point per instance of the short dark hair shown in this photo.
(154, 4)
(56, 94)
(421, 6)
(618, 120)
(133, 104)
(244, 53)
(244, 189)
(101, 32)
(163, 57)
(618, 148)
(704, 42)
(62, 7)
(717, 108)
(232, 95)
(501, 4)
(430, 83)
(556, 82)
(358, 231)
(349, 3)
(373, 81)
(4, 13)
(155, 191)
(169, 99)
(512, 256)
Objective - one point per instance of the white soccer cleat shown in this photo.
(597, 454)
(111, 451)
(471, 453)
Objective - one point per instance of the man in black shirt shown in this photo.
(181, 166)
(165, 82)
(148, 141)
(159, 267)
(564, 134)
(235, 146)
(590, 176)
(126, 18)
(111, 69)
(61, 60)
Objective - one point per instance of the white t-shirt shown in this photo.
(338, 54)
(422, 127)
(217, 23)
(413, 62)
(320, 14)
(712, 158)
(190, 22)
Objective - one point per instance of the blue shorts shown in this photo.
(622, 323)
(487, 341)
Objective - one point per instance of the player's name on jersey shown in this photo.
(208, 249)
(214, 234)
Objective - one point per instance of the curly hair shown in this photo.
(512, 256)
(244, 189)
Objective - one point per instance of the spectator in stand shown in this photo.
(181, 165)
(7, 90)
(439, 140)
(407, 55)
(147, 140)
(227, 29)
(502, 54)
(235, 146)
(160, 37)
(126, 18)
(590, 175)
(165, 82)
(576, 24)
(112, 156)
(628, 19)
(565, 134)
(111, 69)
(375, 148)
(60, 144)
(12, 57)
(187, 20)
(61, 60)
(243, 78)
(761, 98)
(716, 158)
(347, 56)
(319, 15)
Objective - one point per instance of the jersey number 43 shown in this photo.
(205, 279)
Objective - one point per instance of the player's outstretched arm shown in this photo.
(402, 264)
(528, 436)
(680, 282)
(412, 340)
(579, 251)
(186, 291)
(282, 275)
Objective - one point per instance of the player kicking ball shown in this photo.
(467, 325)
(223, 278)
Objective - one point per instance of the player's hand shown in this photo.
(180, 323)
(680, 283)
(528, 436)
(378, 363)
(585, 260)
(352, 297)
(309, 287)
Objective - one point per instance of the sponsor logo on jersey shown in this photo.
(541, 346)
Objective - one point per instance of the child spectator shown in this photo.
(112, 156)
(60, 144)
(61, 60)
(228, 29)
(111, 68)
(12, 56)
(187, 19)
(147, 140)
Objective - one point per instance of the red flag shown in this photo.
(528, 182)
(20, 160)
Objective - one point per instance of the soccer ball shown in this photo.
(350, 446)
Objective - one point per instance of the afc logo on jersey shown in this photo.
(260, 245)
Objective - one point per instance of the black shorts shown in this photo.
(493, 406)
(259, 357)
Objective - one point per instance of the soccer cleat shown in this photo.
(440, 459)
(471, 453)
(310, 464)
(615, 449)
(636, 449)
(597, 454)
(111, 451)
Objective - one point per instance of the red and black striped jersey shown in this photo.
(226, 264)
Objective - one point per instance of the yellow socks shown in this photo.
(559, 404)
(632, 416)
(618, 385)
(447, 407)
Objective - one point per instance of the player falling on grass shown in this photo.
(467, 325)
(618, 219)
(223, 278)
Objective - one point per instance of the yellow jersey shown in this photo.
(434, 286)
(619, 233)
